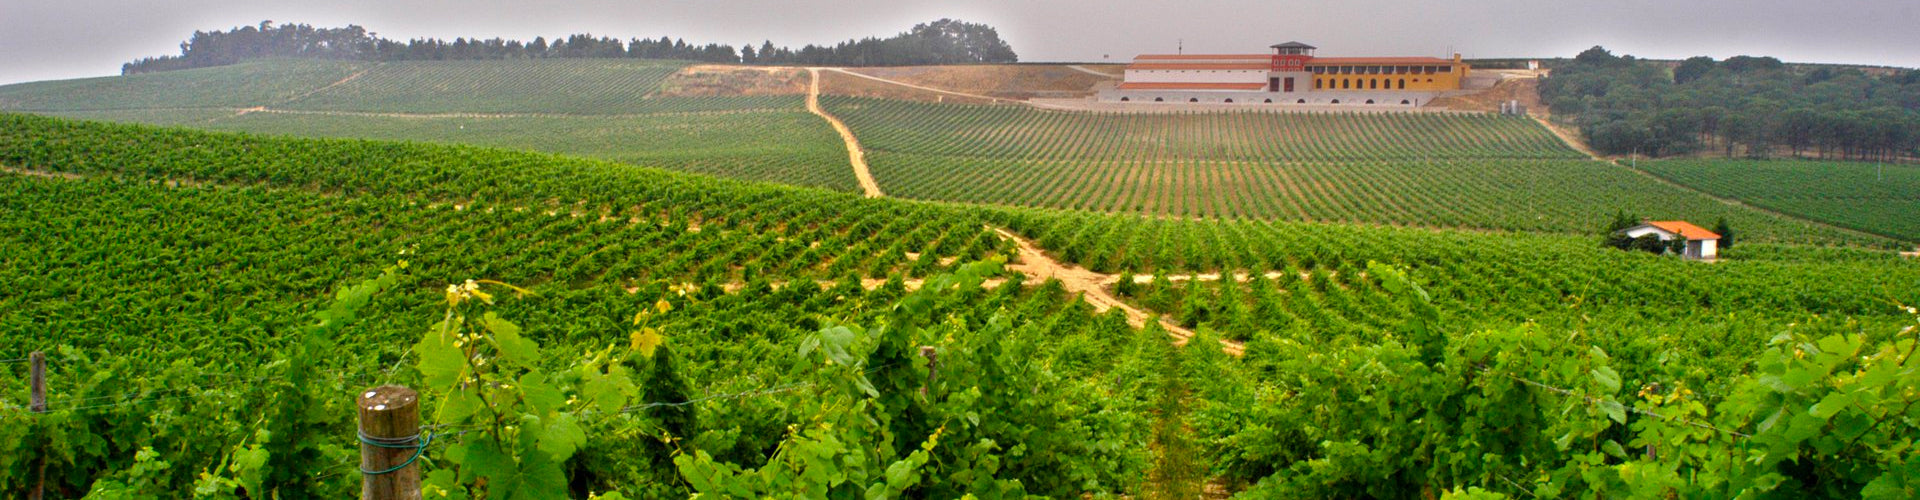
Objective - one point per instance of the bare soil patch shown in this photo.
(855, 155)
(844, 84)
(1037, 266)
(715, 80)
(1004, 81)
(1525, 90)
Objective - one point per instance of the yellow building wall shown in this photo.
(1422, 82)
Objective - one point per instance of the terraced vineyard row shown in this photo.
(1019, 132)
(1881, 199)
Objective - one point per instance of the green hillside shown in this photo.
(1425, 169)
(1444, 170)
(583, 107)
(177, 278)
(246, 85)
(1876, 198)
(559, 86)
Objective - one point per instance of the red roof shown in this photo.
(1684, 229)
(1260, 66)
(1203, 56)
(1377, 60)
(1192, 86)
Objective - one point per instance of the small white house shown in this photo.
(1701, 243)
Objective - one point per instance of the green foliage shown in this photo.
(1436, 170)
(1756, 104)
(177, 270)
(1878, 199)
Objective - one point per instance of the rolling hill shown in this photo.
(643, 279)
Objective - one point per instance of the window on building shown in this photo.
(1346, 83)
(1446, 69)
(1317, 83)
(1126, 99)
(1404, 102)
(1156, 99)
(1373, 83)
(1194, 99)
(1336, 101)
(1302, 101)
(1269, 101)
(1229, 101)
(1369, 101)
(1403, 84)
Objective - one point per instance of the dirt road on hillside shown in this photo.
(855, 155)
(1038, 267)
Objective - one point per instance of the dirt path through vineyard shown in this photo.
(855, 155)
(1038, 266)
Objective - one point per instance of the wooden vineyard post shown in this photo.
(37, 376)
(38, 361)
(933, 366)
(390, 443)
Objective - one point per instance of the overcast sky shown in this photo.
(56, 39)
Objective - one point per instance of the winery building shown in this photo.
(1292, 74)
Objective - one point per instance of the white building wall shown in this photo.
(1646, 230)
(1197, 76)
(1709, 249)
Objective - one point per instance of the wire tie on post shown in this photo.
(413, 442)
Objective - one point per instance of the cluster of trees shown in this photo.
(945, 41)
(1744, 105)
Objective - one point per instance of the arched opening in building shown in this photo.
(1269, 101)
(1126, 99)
(1317, 82)
(1229, 101)
(1156, 99)
(1404, 102)
(1369, 101)
(1373, 83)
(1193, 99)
(1302, 101)
(1429, 80)
(1336, 101)
(1346, 84)
(1403, 84)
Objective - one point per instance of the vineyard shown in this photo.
(560, 86)
(582, 107)
(1436, 170)
(246, 85)
(684, 334)
(1879, 199)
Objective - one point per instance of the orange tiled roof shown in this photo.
(1684, 229)
(1176, 57)
(1318, 61)
(1192, 86)
(1196, 66)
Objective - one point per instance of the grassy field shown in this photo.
(258, 83)
(775, 145)
(1439, 170)
(1880, 199)
(560, 86)
(583, 107)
